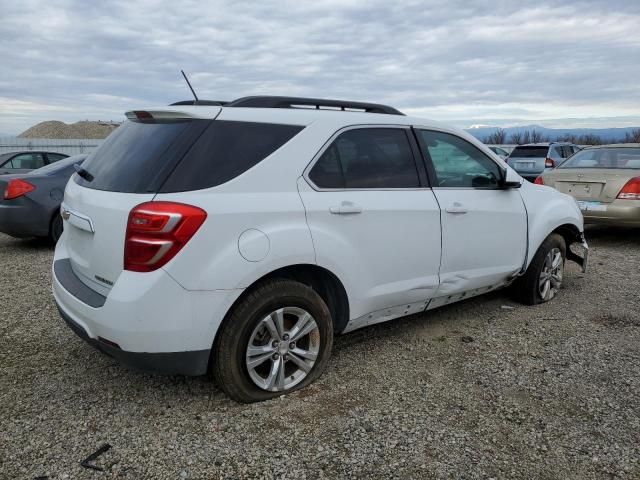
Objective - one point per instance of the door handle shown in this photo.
(456, 208)
(345, 208)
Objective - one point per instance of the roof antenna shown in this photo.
(190, 87)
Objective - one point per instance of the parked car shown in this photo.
(534, 159)
(605, 181)
(23, 162)
(30, 202)
(501, 152)
(239, 239)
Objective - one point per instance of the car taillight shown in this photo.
(157, 231)
(549, 163)
(539, 181)
(17, 188)
(631, 191)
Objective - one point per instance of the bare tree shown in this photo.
(589, 139)
(633, 136)
(516, 137)
(537, 137)
(568, 137)
(496, 138)
(526, 137)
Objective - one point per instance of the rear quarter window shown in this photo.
(226, 150)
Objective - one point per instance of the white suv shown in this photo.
(239, 238)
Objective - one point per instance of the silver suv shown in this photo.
(533, 159)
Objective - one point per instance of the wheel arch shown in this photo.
(569, 232)
(321, 280)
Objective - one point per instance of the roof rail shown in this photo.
(217, 103)
(319, 104)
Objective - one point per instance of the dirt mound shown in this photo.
(57, 129)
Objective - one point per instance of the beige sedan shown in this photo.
(604, 180)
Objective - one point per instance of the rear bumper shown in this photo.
(147, 321)
(619, 212)
(170, 363)
(23, 220)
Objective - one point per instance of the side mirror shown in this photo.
(511, 179)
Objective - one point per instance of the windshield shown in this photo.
(60, 165)
(618, 158)
(529, 152)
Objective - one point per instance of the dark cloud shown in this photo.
(461, 61)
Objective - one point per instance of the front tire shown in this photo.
(543, 278)
(276, 340)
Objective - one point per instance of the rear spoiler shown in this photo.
(169, 114)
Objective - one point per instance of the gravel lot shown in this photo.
(540, 392)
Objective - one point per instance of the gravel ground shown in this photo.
(533, 392)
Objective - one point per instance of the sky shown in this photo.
(464, 62)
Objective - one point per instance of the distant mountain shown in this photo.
(481, 132)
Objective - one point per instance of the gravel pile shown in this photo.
(473, 390)
(57, 129)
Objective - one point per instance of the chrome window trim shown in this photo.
(329, 142)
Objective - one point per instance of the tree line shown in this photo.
(500, 137)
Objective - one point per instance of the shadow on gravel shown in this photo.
(28, 244)
(611, 320)
(606, 235)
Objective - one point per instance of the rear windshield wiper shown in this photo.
(83, 173)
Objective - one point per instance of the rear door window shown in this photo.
(26, 161)
(55, 157)
(55, 168)
(379, 158)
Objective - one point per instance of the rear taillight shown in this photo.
(631, 191)
(539, 181)
(157, 231)
(17, 188)
(549, 163)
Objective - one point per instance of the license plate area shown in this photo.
(590, 206)
(525, 165)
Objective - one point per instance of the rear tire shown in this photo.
(276, 340)
(56, 229)
(543, 278)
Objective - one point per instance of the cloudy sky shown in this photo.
(555, 63)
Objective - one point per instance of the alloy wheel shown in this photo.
(551, 275)
(282, 349)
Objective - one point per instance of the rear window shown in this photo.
(529, 152)
(616, 158)
(150, 157)
(138, 156)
